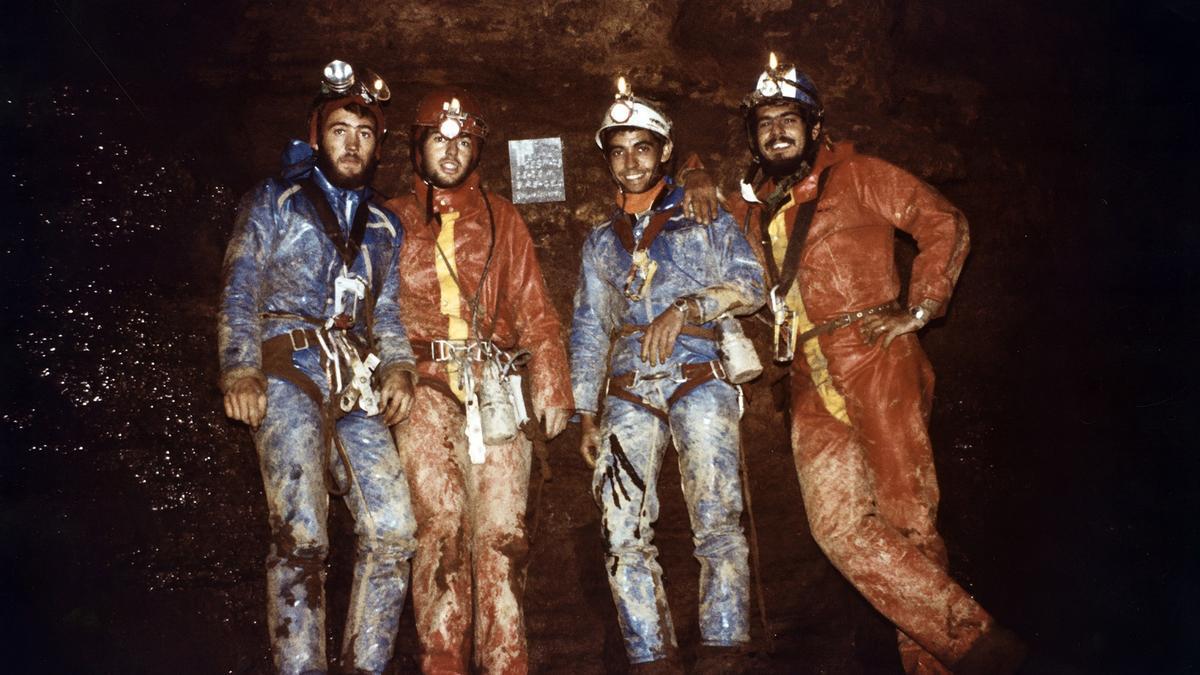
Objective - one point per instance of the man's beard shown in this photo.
(784, 167)
(334, 175)
(777, 168)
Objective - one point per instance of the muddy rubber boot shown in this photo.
(721, 661)
(997, 652)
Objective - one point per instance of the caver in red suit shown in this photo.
(469, 570)
(861, 386)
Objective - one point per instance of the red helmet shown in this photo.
(451, 111)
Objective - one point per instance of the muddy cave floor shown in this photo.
(134, 525)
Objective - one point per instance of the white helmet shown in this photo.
(631, 111)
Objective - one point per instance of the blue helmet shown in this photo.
(782, 84)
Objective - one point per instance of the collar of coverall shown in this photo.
(826, 156)
(462, 197)
(642, 201)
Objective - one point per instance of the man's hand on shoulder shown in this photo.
(396, 395)
(246, 401)
(700, 198)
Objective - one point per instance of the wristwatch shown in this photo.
(919, 313)
(681, 304)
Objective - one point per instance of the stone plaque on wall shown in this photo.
(537, 170)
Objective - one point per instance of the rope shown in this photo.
(754, 557)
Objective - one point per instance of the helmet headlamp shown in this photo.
(339, 76)
(620, 112)
(340, 79)
(630, 111)
(452, 119)
(452, 112)
(622, 109)
(784, 82)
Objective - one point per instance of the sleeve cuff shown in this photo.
(402, 366)
(228, 377)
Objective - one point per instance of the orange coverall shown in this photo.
(469, 570)
(860, 412)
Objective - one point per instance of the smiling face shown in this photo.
(635, 158)
(782, 135)
(446, 162)
(347, 148)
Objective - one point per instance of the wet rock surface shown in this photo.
(133, 519)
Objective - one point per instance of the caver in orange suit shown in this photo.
(469, 570)
(860, 411)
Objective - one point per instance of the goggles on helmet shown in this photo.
(628, 110)
(784, 83)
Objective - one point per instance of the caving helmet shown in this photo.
(782, 84)
(451, 111)
(342, 84)
(628, 110)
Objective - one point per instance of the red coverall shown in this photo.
(860, 411)
(469, 570)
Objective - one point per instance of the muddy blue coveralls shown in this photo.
(714, 265)
(279, 274)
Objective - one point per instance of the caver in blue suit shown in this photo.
(713, 267)
(280, 273)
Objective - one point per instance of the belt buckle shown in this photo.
(439, 350)
(677, 377)
(303, 336)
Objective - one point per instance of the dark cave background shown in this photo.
(131, 515)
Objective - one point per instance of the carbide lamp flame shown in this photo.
(768, 84)
(622, 110)
(339, 76)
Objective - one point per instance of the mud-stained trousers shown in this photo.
(704, 425)
(871, 493)
(469, 570)
(292, 459)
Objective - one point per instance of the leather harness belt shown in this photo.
(277, 361)
(440, 351)
(845, 320)
(691, 376)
